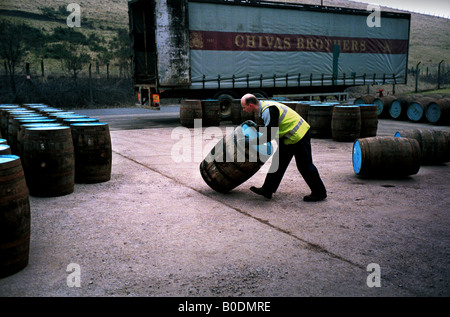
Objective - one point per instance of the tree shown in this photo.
(12, 48)
(73, 61)
(121, 47)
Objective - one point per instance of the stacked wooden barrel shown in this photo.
(58, 148)
(44, 151)
(14, 216)
(434, 109)
(206, 111)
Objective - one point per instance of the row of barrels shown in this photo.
(327, 119)
(434, 109)
(57, 148)
(44, 151)
(207, 110)
(332, 120)
(402, 154)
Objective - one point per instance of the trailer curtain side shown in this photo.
(239, 46)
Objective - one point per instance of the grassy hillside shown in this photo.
(428, 40)
(100, 23)
(107, 13)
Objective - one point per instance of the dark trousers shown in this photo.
(303, 158)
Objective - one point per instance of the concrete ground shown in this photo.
(157, 229)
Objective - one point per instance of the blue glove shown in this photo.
(250, 123)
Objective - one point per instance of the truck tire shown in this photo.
(260, 94)
(225, 99)
(236, 107)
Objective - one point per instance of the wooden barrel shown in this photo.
(416, 109)
(50, 110)
(386, 157)
(61, 118)
(399, 107)
(30, 123)
(35, 106)
(383, 104)
(14, 216)
(319, 118)
(13, 129)
(190, 109)
(236, 108)
(211, 112)
(5, 149)
(438, 111)
(369, 120)
(14, 113)
(12, 122)
(3, 116)
(93, 152)
(234, 159)
(54, 115)
(70, 121)
(302, 108)
(48, 160)
(433, 143)
(290, 103)
(368, 99)
(346, 123)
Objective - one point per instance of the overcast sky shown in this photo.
(433, 7)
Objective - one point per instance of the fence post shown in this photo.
(91, 102)
(417, 75)
(439, 74)
(393, 85)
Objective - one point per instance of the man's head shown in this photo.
(249, 103)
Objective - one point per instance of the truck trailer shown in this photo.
(222, 49)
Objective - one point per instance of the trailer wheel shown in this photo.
(260, 94)
(225, 99)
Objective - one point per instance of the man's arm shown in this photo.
(270, 121)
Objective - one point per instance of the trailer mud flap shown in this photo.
(147, 98)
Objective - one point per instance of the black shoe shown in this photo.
(261, 191)
(313, 197)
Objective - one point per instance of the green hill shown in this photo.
(428, 39)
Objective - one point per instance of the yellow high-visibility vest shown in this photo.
(291, 125)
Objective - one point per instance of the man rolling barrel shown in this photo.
(294, 140)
